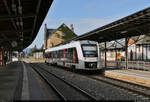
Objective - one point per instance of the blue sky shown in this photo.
(87, 15)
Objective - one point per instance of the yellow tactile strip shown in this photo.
(128, 78)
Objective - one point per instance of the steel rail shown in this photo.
(50, 84)
(133, 87)
(137, 89)
(72, 85)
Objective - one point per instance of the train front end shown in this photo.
(91, 56)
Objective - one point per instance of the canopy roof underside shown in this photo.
(20, 21)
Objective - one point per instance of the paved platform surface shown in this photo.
(18, 82)
(134, 76)
(37, 90)
(9, 81)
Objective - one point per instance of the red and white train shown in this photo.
(82, 54)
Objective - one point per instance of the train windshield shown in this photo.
(89, 50)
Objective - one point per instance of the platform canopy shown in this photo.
(132, 25)
(20, 21)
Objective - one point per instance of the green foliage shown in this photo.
(32, 50)
(68, 33)
(42, 47)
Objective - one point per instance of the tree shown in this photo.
(42, 47)
(32, 50)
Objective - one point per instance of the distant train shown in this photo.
(82, 54)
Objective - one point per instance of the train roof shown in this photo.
(70, 44)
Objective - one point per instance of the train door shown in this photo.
(63, 57)
(99, 65)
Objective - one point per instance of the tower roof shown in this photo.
(50, 32)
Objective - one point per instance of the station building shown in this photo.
(53, 37)
(38, 54)
(137, 50)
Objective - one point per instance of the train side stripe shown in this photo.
(73, 56)
(64, 57)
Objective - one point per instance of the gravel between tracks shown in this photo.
(98, 89)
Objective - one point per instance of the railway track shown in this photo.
(63, 89)
(138, 90)
(132, 87)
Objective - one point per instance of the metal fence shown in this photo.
(141, 65)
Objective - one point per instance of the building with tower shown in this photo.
(53, 37)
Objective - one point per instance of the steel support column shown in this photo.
(142, 53)
(116, 55)
(135, 53)
(146, 52)
(105, 55)
(126, 53)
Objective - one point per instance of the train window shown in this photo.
(70, 55)
(66, 53)
(55, 54)
(45, 55)
(52, 53)
(76, 56)
(60, 53)
(48, 55)
(89, 50)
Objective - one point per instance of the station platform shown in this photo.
(10, 81)
(135, 76)
(17, 82)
